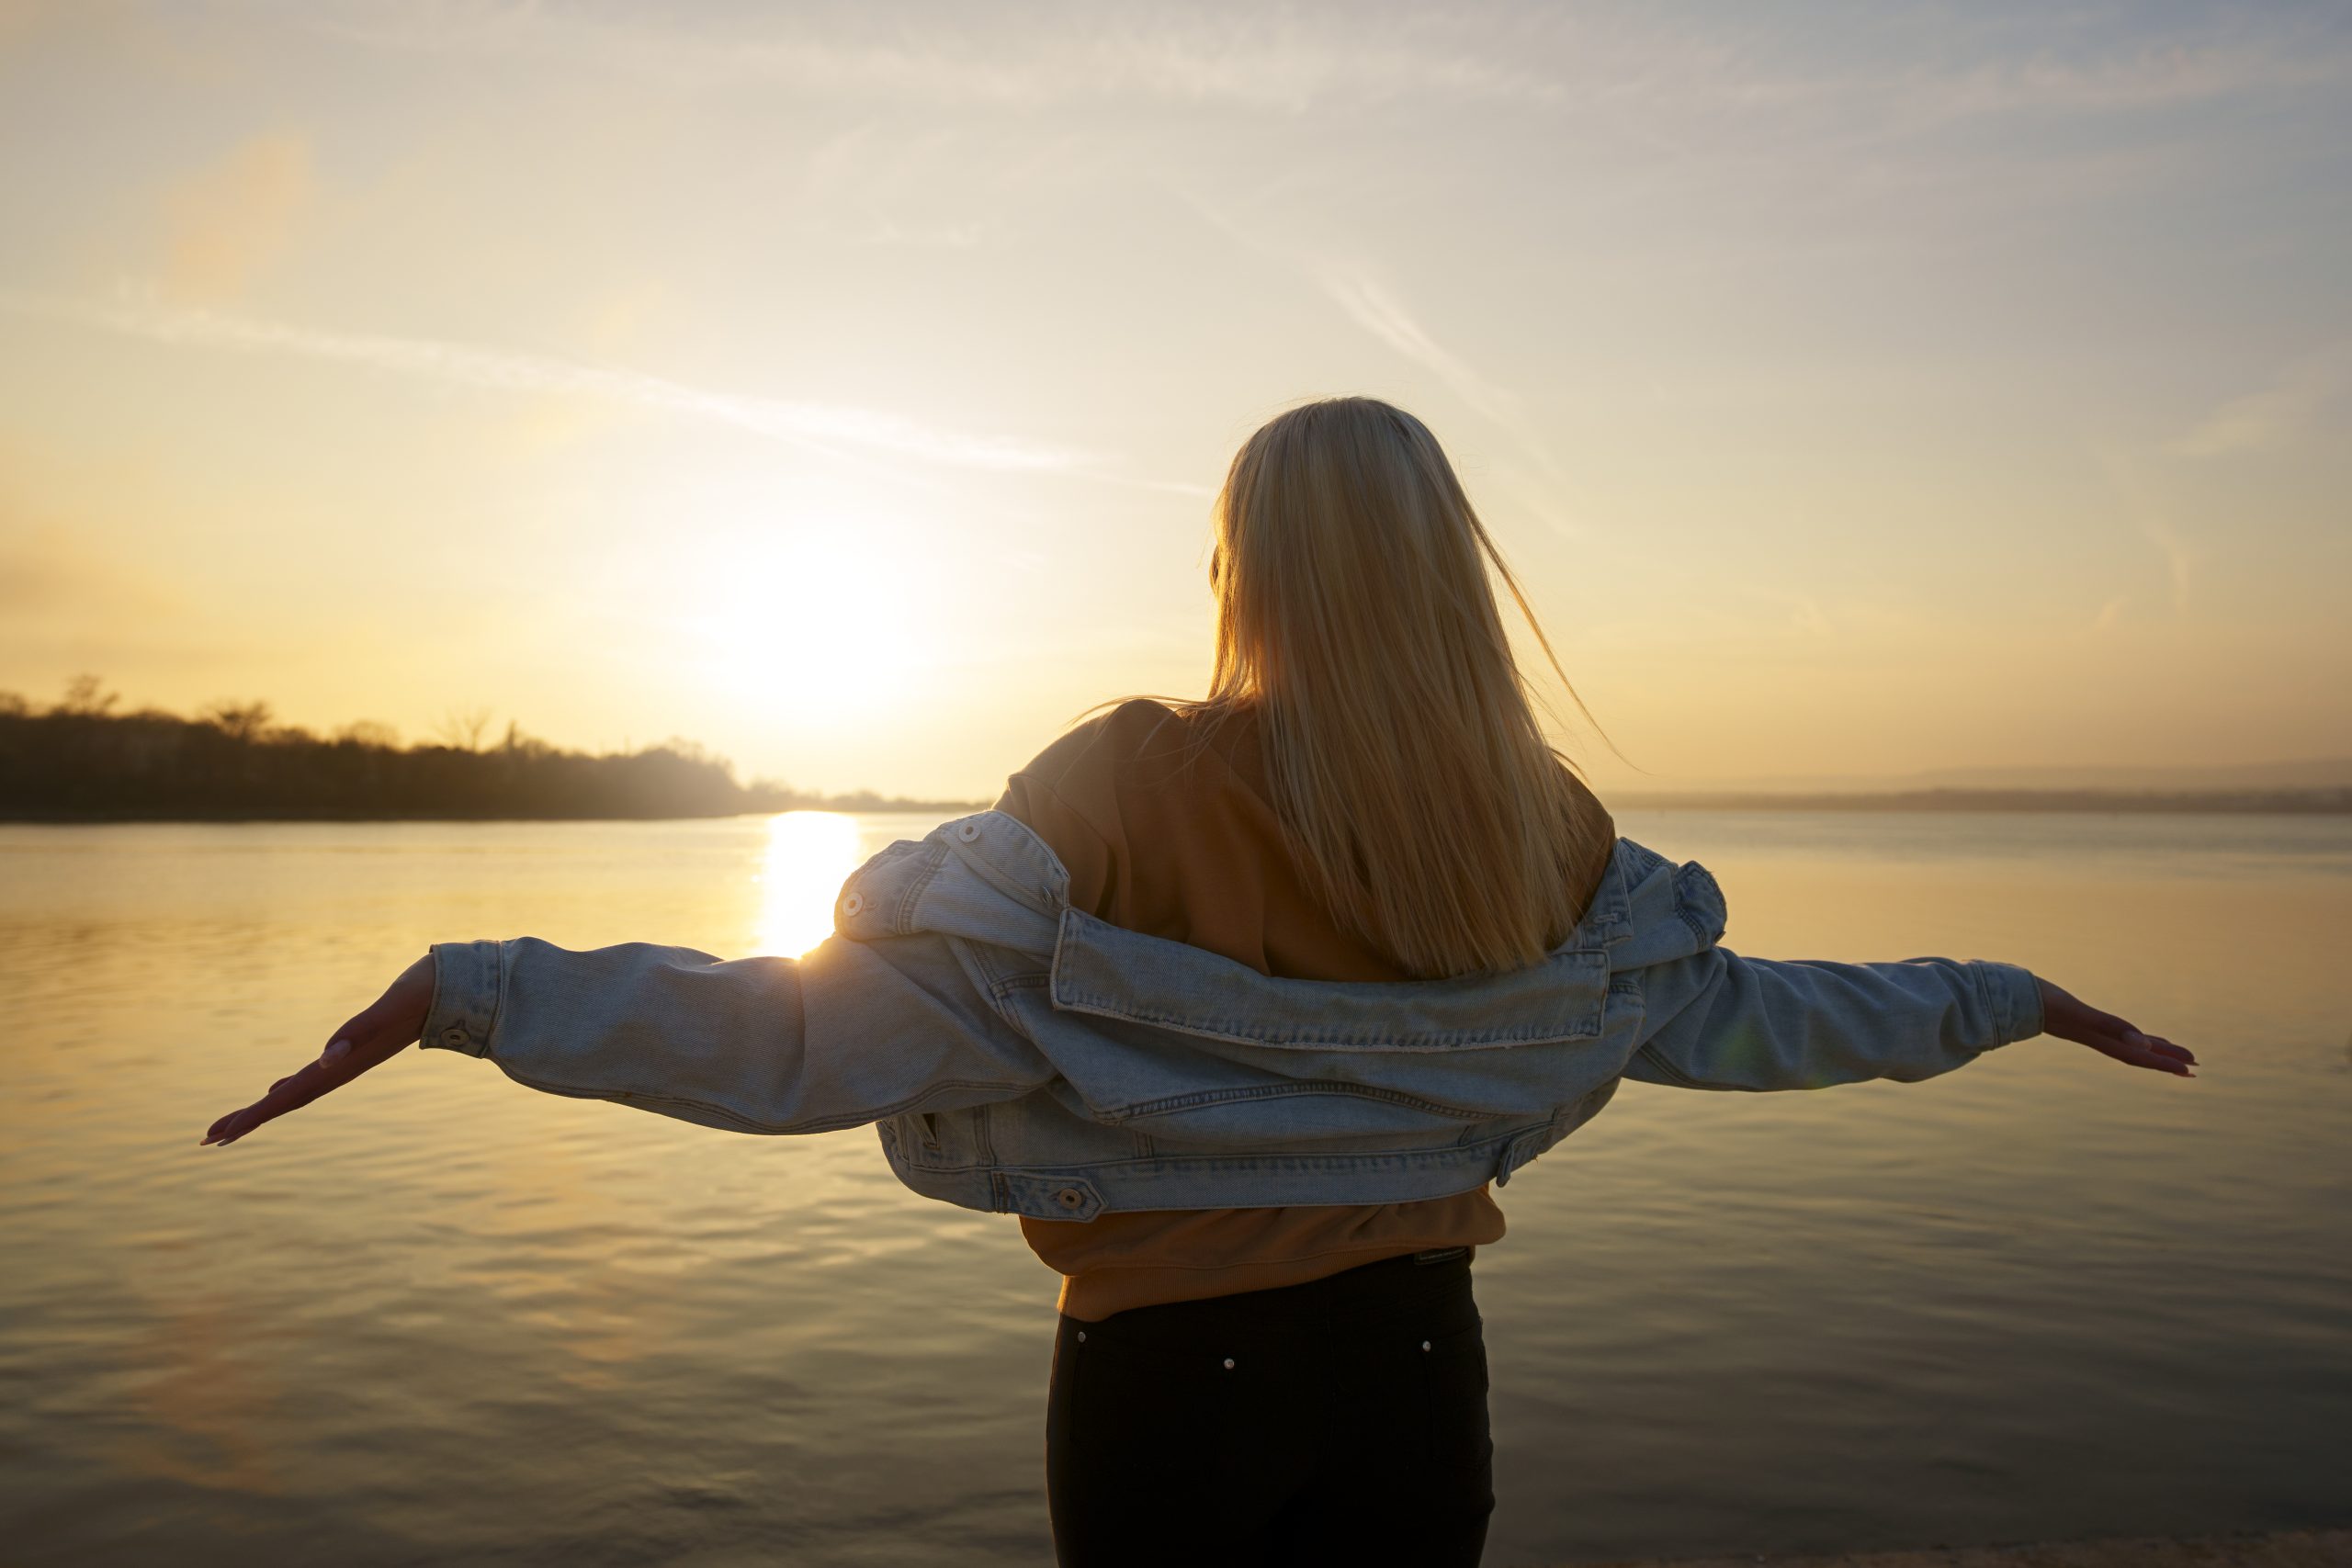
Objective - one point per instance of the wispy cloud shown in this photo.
(822, 425)
(2274, 415)
(1372, 305)
(2144, 506)
(1377, 312)
(2180, 560)
(1301, 56)
(1265, 57)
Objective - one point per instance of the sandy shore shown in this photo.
(2295, 1549)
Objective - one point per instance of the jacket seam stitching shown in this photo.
(754, 1124)
(1656, 1059)
(1438, 1154)
(1207, 1099)
(903, 919)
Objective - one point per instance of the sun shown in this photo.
(807, 626)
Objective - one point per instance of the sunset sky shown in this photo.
(1858, 388)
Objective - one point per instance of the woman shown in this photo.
(1346, 900)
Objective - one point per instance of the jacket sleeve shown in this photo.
(1718, 1021)
(853, 1033)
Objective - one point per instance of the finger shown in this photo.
(232, 1127)
(2137, 1053)
(2145, 1057)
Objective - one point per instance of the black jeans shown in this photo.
(1340, 1421)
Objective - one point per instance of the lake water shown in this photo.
(440, 1318)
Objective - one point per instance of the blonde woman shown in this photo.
(1242, 1004)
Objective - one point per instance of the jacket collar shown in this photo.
(989, 877)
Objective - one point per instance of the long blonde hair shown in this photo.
(1355, 618)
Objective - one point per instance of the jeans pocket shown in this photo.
(1455, 1433)
(1164, 1408)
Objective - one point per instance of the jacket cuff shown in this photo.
(2016, 998)
(467, 978)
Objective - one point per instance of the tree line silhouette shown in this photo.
(80, 760)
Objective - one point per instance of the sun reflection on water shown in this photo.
(810, 854)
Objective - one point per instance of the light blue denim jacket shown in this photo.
(1020, 1054)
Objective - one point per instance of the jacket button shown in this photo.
(454, 1035)
(968, 831)
(1070, 1197)
(853, 904)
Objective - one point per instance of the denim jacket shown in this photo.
(1020, 1054)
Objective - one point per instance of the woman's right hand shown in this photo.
(376, 1034)
(2069, 1018)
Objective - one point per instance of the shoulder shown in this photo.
(1107, 748)
(1087, 796)
(1596, 840)
(1590, 811)
(1140, 771)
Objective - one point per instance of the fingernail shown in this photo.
(335, 1048)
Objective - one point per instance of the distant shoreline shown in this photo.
(2232, 802)
(79, 761)
(2280, 1549)
(209, 819)
(1976, 802)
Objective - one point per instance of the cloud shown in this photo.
(1297, 57)
(228, 221)
(2157, 74)
(2180, 560)
(2274, 415)
(1380, 313)
(1269, 58)
(1373, 308)
(823, 425)
(2144, 506)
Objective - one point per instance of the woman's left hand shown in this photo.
(378, 1033)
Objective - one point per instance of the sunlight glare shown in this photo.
(794, 624)
(810, 854)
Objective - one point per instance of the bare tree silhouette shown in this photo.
(86, 696)
(462, 729)
(247, 722)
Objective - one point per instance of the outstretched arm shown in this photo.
(373, 1035)
(1719, 1020)
(853, 1033)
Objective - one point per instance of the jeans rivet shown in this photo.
(1425, 1344)
(1082, 1339)
(1228, 1363)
